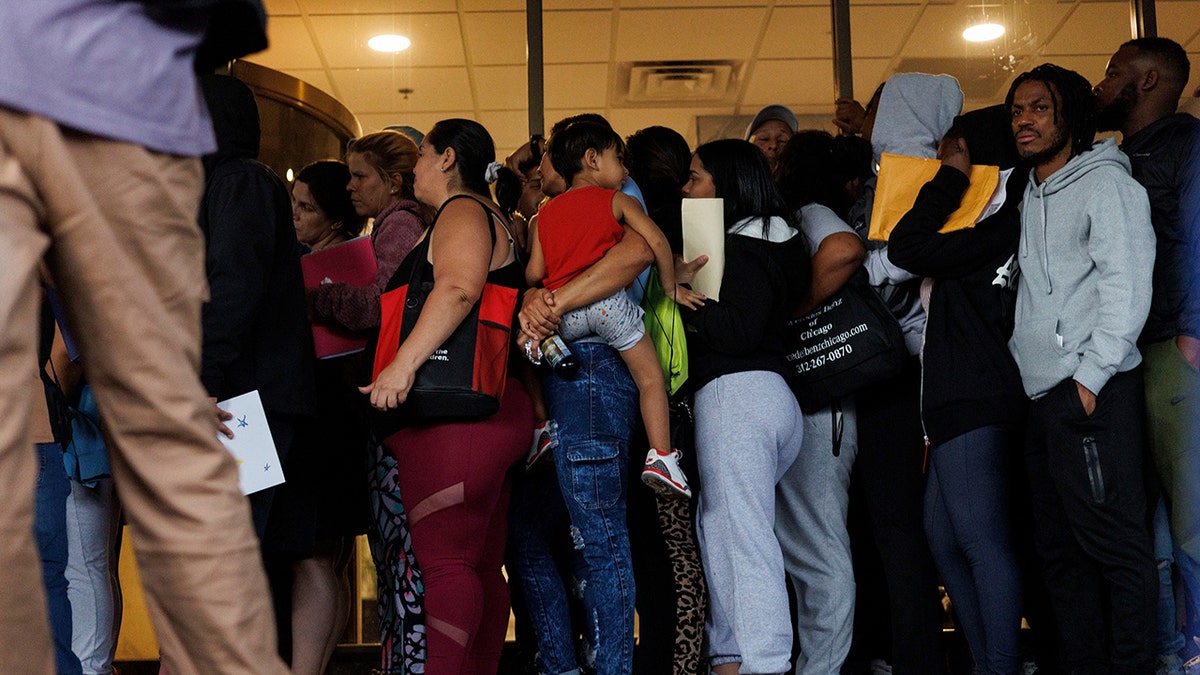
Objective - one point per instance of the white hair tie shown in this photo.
(492, 172)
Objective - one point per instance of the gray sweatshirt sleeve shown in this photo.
(1121, 245)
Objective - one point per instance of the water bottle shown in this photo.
(561, 360)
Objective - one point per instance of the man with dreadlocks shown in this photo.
(1086, 256)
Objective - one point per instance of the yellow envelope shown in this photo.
(901, 178)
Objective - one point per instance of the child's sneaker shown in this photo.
(663, 475)
(545, 439)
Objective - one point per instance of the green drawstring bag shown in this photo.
(664, 326)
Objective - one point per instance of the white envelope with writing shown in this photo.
(251, 445)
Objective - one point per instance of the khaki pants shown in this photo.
(118, 226)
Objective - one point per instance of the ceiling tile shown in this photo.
(879, 31)
(289, 46)
(790, 82)
(377, 6)
(436, 39)
(868, 73)
(374, 90)
(501, 87)
(1090, 67)
(694, 34)
(281, 7)
(577, 86)
(496, 38)
(548, 5)
(667, 4)
(798, 32)
(576, 37)
(509, 129)
(493, 5)
(1093, 28)
(1179, 21)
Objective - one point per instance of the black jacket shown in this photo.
(1166, 160)
(969, 379)
(744, 330)
(256, 331)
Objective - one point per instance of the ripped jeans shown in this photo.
(596, 411)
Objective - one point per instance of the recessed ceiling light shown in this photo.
(389, 43)
(983, 32)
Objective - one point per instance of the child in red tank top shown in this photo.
(571, 233)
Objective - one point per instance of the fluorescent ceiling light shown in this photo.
(389, 43)
(983, 32)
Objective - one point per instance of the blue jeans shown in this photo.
(545, 567)
(596, 411)
(968, 524)
(50, 529)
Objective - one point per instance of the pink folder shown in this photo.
(352, 262)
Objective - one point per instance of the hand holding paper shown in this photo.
(252, 445)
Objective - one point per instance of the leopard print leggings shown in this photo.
(691, 592)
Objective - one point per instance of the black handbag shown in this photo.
(464, 377)
(849, 342)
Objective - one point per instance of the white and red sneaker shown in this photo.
(663, 475)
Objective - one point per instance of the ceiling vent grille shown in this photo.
(678, 83)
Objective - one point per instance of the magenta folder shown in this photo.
(352, 262)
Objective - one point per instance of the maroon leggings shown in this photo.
(454, 486)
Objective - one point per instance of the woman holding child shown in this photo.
(452, 475)
(749, 428)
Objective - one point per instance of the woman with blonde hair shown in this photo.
(381, 187)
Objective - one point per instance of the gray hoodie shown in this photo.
(1086, 258)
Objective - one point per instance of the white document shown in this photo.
(998, 197)
(704, 234)
(251, 445)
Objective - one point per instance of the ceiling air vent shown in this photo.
(678, 82)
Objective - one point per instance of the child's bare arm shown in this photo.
(535, 271)
(629, 212)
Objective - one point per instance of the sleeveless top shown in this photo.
(575, 230)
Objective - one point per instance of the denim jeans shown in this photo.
(545, 568)
(50, 528)
(596, 411)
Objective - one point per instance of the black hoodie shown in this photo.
(256, 331)
(969, 379)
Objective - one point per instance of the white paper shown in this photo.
(704, 234)
(251, 445)
(998, 196)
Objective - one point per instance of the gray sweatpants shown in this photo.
(748, 432)
(810, 522)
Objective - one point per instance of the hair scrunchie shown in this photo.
(492, 172)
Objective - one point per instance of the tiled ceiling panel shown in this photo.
(577, 37)
(496, 38)
(797, 32)
(420, 121)
(509, 129)
(694, 34)
(1093, 28)
(281, 7)
(573, 86)
(436, 39)
(791, 82)
(291, 46)
(502, 87)
(880, 30)
(373, 90)
(377, 6)
(868, 73)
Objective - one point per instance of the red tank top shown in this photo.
(575, 230)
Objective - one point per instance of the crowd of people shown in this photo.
(1034, 452)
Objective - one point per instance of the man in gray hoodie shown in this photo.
(1086, 258)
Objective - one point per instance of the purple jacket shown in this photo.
(396, 231)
